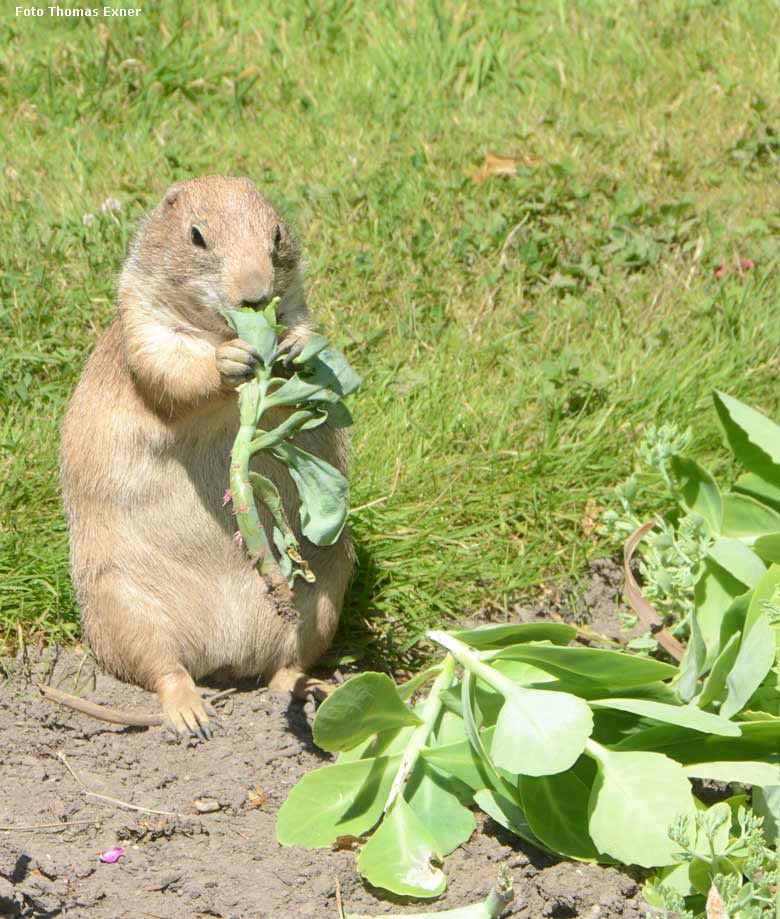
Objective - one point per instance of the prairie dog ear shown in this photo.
(172, 194)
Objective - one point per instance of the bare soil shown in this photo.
(224, 862)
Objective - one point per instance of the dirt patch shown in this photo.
(601, 605)
(596, 604)
(226, 862)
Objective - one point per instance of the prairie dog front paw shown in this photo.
(236, 360)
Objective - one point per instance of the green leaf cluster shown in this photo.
(726, 868)
(588, 753)
(310, 397)
(583, 752)
(730, 667)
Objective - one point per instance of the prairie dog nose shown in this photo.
(253, 288)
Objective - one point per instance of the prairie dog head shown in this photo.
(211, 244)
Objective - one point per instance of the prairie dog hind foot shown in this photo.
(184, 708)
(299, 684)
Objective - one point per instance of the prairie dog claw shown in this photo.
(236, 360)
(294, 351)
(185, 710)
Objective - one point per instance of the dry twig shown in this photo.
(61, 825)
(117, 801)
(648, 614)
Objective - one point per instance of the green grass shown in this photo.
(514, 336)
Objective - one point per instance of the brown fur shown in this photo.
(166, 596)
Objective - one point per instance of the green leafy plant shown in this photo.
(714, 544)
(725, 861)
(593, 754)
(588, 753)
(312, 396)
(581, 751)
(730, 613)
(722, 542)
(671, 556)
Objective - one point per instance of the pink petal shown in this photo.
(227, 498)
(113, 855)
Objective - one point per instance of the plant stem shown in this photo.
(500, 896)
(470, 659)
(286, 429)
(429, 713)
(242, 493)
(251, 529)
(594, 750)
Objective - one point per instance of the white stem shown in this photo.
(469, 658)
(491, 908)
(429, 714)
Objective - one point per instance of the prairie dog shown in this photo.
(166, 595)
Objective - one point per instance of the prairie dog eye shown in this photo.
(277, 238)
(197, 238)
